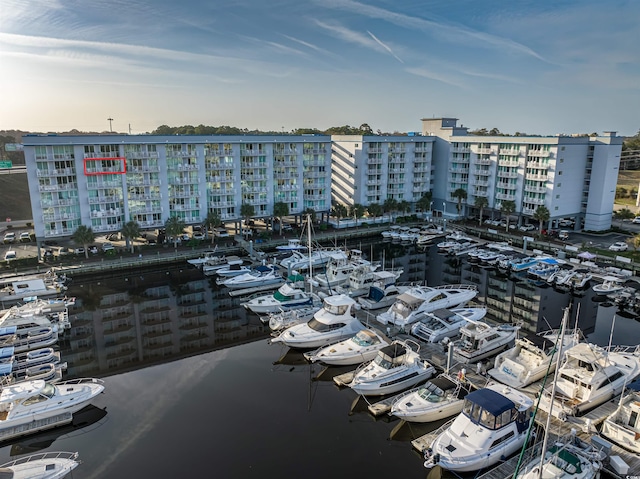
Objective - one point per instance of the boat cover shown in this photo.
(393, 352)
(491, 401)
(443, 313)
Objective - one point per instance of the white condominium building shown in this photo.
(104, 181)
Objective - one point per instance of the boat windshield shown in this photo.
(564, 460)
(280, 297)
(365, 338)
(479, 415)
(383, 361)
(401, 308)
(431, 393)
(337, 309)
(323, 327)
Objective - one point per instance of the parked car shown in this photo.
(220, 233)
(198, 235)
(107, 247)
(93, 249)
(79, 250)
(636, 220)
(619, 246)
(527, 228)
(9, 255)
(563, 235)
(25, 237)
(10, 237)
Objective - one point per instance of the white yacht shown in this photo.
(590, 376)
(396, 367)
(381, 297)
(425, 299)
(206, 256)
(623, 425)
(285, 319)
(28, 359)
(439, 398)
(362, 347)
(610, 284)
(293, 244)
(339, 269)
(480, 340)
(444, 323)
(335, 321)
(260, 276)
(363, 277)
(527, 362)
(44, 465)
(318, 257)
(566, 458)
(33, 406)
(493, 425)
(223, 266)
(284, 298)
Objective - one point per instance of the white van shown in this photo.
(9, 255)
(563, 235)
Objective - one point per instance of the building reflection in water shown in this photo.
(127, 321)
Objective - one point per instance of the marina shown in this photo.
(183, 315)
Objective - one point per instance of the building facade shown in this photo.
(106, 181)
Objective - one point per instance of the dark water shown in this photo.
(193, 389)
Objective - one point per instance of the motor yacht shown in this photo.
(284, 298)
(437, 399)
(480, 340)
(590, 376)
(362, 347)
(28, 359)
(527, 362)
(206, 256)
(285, 319)
(46, 465)
(444, 323)
(293, 244)
(396, 367)
(493, 425)
(410, 305)
(363, 277)
(32, 406)
(623, 425)
(223, 266)
(381, 297)
(49, 372)
(565, 458)
(318, 257)
(335, 321)
(339, 269)
(260, 276)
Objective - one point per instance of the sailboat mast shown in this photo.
(309, 252)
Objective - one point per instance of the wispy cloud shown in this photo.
(437, 76)
(386, 47)
(443, 30)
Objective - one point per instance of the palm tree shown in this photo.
(404, 207)
(174, 227)
(541, 214)
(311, 213)
(424, 203)
(130, 230)
(481, 203)
(339, 211)
(247, 211)
(212, 221)
(84, 236)
(374, 209)
(280, 209)
(357, 210)
(390, 205)
(507, 207)
(460, 194)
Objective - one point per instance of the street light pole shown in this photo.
(110, 120)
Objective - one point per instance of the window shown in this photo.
(560, 173)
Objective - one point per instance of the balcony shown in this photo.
(537, 177)
(533, 201)
(143, 169)
(460, 149)
(453, 169)
(482, 161)
(543, 165)
(509, 163)
(539, 153)
(505, 197)
(374, 161)
(58, 202)
(374, 149)
(106, 213)
(180, 154)
(374, 182)
(141, 210)
(480, 183)
(252, 152)
(460, 159)
(141, 154)
(59, 172)
(485, 151)
(535, 189)
(507, 174)
(62, 187)
(484, 194)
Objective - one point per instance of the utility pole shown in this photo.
(110, 120)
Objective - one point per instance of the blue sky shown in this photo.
(567, 66)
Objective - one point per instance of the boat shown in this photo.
(391, 232)
(544, 268)
(609, 285)
(362, 347)
(517, 265)
(444, 323)
(381, 297)
(335, 321)
(260, 276)
(230, 264)
(32, 406)
(623, 425)
(363, 277)
(205, 257)
(579, 280)
(480, 340)
(566, 458)
(589, 376)
(396, 367)
(28, 359)
(527, 362)
(20, 289)
(284, 298)
(49, 372)
(410, 305)
(318, 257)
(44, 465)
(293, 244)
(339, 269)
(437, 399)
(285, 319)
(493, 425)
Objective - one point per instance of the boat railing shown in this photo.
(626, 349)
(82, 381)
(470, 287)
(42, 456)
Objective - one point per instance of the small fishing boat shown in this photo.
(285, 319)
(285, 297)
(293, 244)
(609, 285)
(623, 425)
(362, 347)
(260, 276)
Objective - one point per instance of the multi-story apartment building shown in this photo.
(531, 171)
(105, 181)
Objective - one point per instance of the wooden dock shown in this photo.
(343, 379)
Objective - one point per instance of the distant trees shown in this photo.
(280, 209)
(212, 221)
(130, 230)
(623, 214)
(424, 203)
(374, 209)
(339, 211)
(460, 194)
(507, 208)
(541, 214)
(481, 203)
(389, 206)
(174, 227)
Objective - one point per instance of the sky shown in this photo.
(543, 67)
